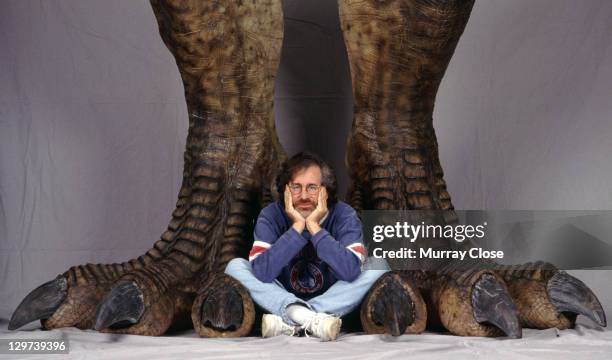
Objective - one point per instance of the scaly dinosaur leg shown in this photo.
(398, 52)
(227, 55)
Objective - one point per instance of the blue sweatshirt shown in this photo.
(307, 265)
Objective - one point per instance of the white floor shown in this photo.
(586, 341)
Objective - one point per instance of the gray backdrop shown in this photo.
(93, 121)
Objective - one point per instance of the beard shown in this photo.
(305, 207)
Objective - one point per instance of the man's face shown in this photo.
(304, 202)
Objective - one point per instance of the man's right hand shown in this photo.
(298, 220)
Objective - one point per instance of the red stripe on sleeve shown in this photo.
(359, 248)
(256, 250)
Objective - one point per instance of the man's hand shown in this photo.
(312, 221)
(298, 220)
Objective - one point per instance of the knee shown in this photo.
(237, 265)
(373, 263)
(373, 270)
(371, 276)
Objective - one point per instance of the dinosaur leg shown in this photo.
(398, 52)
(227, 55)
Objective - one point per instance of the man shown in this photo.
(305, 266)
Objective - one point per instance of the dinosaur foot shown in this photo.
(393, 306)
(474, 303)
(223, 308)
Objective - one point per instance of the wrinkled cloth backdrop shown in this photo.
(93, 121)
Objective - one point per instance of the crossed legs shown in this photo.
(340, 299)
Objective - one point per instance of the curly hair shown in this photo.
(301, 161)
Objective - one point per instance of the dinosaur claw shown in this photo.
(568, 294)
(223, 310)
(493, 304)
(40, 303)
(394, 309)
(123, 306)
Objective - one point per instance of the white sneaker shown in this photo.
(324, 326)
(273, 325)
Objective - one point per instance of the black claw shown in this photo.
(394, 310)
(41, 303)
(123, 306)
(222, 310)
(491, 303)
(569, 294)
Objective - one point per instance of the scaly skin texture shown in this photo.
(398, 53)
(527, 285)
(227, 53)
(87, 285)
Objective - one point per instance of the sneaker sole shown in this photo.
(334, 330)
(265, 327)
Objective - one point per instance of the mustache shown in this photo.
(304, 202)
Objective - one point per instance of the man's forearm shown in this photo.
(268, 265)
(345, 265)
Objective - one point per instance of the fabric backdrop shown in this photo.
(93, 121)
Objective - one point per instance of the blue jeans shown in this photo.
(340, 299)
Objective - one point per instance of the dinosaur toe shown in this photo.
(222, 310)
(393, 306)
(568, 294)
(124, 305)
(492, 304)
(40, 303)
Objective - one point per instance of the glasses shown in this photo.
(311, 189)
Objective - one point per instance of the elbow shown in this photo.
(355, 273)
(351, 274)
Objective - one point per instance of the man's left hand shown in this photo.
(312, 221)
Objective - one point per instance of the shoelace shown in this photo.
(313, 321)
(307, 326)
(295, 330)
